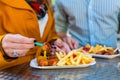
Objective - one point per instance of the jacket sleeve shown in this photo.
(2, 34)
(1, 37)
(1, 49)
(52, 32)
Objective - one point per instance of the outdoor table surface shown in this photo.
(104, 69)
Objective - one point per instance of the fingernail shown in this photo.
(54, 47)
(34, 40)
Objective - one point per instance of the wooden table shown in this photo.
(104, 69)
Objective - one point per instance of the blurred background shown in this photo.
(53, 3)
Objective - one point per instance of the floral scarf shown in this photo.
(39, 7)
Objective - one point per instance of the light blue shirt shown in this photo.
(89, 21)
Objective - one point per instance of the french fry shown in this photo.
(68, 55)
(78, 59)
(73, 58)
(68, 62)
(91, 49)
(105, 48)
(61, 63)
(82, 61)
(80, 50)
(58, 56)
(88, 46)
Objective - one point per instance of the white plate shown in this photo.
(105, 56)
(34, 64)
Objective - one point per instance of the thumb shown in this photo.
(58, 43)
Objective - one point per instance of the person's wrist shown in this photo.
(62, 35)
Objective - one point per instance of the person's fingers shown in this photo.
(53, 50)
(75, 44)
(22, 52)
(52, 53)
(59, 49)
(18, 38)
(17, 45)
(69, 42)
(58, 42)
(13, 42)
(66, 48)
(10, 52)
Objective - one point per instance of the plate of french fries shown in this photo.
(73, 59)
(100, 51)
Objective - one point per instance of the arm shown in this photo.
(61, 19)
(53, 38)
(62, 23)
(6, 60)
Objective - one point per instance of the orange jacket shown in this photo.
(17, 17)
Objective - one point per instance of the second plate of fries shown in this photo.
(100, 51)
(105, 56)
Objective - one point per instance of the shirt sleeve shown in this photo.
(61, 17)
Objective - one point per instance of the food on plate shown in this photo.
(47, 60)
(74, 58)
(98, 49)
(42, 61)
(52, 61)
(46, 46)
